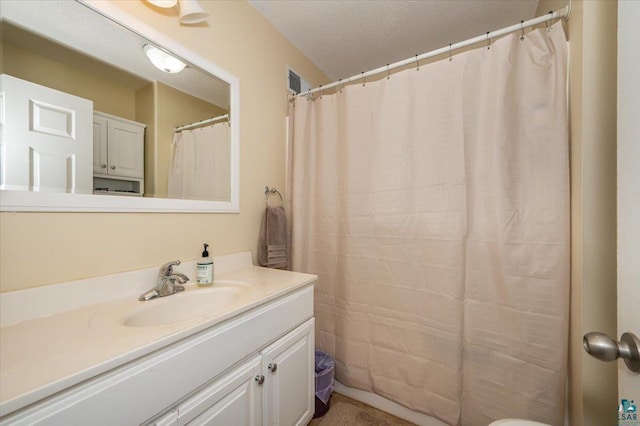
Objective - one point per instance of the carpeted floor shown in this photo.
(348, 412)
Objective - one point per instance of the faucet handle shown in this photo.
(167, 268)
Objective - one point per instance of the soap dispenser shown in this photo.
(205, 269)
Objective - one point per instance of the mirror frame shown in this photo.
(26, 201)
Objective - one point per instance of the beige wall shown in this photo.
(175, 108)
(592, 35)
(146, 113)
(107, 96)
(44, 248)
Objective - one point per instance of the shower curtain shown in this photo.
(434, 207)
(200, 165)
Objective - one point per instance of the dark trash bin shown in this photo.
(325, 367)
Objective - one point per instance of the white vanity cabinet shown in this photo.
(253, 368)
(118, 153)
(273, 388)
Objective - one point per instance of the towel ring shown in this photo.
(272, 191)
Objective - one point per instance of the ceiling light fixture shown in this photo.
(191, 12)
(162, 60)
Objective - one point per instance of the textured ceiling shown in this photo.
(344, 38)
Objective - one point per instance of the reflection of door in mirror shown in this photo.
(127, 103)
(49, 132)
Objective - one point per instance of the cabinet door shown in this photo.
(99, 144)
(288, 366)
(126, 149)
(235, 399)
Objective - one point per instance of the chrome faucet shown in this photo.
(169, 282)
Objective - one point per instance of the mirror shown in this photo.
(89, 124)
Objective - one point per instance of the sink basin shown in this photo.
(198, 303)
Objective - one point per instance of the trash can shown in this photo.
(325, 367)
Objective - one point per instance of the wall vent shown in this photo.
(295, 83)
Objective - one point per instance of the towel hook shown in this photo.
(271, 191)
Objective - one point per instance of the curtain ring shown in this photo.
(521, 30)
(548, 23)
(417, 64)
(450, 53)
(321, 91)
(364, 80)
(387, 71)
(488, 41)
(308, 95)
(340, 85)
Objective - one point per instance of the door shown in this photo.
(99, 144)
(628, 201)
(47, 134)
(235, 399)
(125, 149)
(288, 366)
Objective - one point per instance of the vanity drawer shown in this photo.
(137, 391)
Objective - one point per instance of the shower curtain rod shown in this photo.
(562, 13)
(200, 123)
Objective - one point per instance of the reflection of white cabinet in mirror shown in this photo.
(46, 139)
(118, 155)
(55, 19)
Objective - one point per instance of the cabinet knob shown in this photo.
(259, 379)
(113, 167)
(104, 166)
(272, 367)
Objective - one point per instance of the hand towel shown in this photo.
(272, 243)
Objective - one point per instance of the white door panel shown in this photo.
(235, 399)
(51, 171)
(288, 367)
(47, 142)
(126, 149)
(99, 144)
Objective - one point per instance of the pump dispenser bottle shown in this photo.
(205, 269)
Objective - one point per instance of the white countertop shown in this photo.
(43, 355)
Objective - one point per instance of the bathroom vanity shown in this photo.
(240, 352)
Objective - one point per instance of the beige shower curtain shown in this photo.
(200, 166)
(434, 207)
